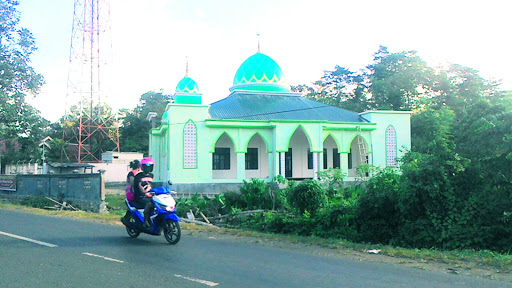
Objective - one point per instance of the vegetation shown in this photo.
(21, 125)
(133, 134)
(453, 190)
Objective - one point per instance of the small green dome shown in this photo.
(187, 85)
(259, 73)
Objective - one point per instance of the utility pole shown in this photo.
(90, 127)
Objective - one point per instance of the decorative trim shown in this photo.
(386, 145)
(334, 138)
(264, 141)
(194, 157)
(230, 137)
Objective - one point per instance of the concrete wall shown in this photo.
(83, 190)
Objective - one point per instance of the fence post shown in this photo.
(102, 187)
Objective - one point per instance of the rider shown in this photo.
(142, 186)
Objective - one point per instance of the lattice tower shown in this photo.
(90, 127)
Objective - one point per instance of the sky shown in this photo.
(152, 40)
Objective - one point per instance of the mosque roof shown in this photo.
(187, 85)
(246, 105)
(259, 73)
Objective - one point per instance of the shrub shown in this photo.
(308, 195)
(279, 222)
(332, 179)
(208, 206)
(256, 194)
(233, 199)
(377, 214)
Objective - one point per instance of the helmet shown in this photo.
(146, 165)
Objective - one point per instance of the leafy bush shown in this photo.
(377, 214)
(279, 222)
(208, 206)
(256, 194)
(233, 199)
(332, 179)
(308, 195)
(337, 220)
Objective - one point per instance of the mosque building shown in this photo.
(263, 129)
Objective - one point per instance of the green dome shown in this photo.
(187, 85)
(259, 73)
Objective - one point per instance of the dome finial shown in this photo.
(186, 67)
(258, 34)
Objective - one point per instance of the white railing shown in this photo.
(24, 167)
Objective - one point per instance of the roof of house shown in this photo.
(245, 105)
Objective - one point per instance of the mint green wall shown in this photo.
(177, 117)
(167, 142)
(401, 121)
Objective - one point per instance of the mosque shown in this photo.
(262, 129)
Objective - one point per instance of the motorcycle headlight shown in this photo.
(166, 208)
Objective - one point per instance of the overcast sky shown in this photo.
(152, 38)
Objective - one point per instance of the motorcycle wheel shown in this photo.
(132, 232)
(172, 231)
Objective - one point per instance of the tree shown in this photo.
(398, 80)
(340, 87)
(20, 123)
(135, 128)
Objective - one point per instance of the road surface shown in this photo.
(48, 251)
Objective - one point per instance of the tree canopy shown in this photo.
(21, 125)
(454, 186)
(135, 128)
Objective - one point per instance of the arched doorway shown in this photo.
(357, 156)
(299, 158)
(224, 164)
(256, 158)
(331, 155)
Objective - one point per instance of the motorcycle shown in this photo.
(163, 218)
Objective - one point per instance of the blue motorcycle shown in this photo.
(163, 218)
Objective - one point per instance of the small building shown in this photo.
(113, 157)
(262, 130)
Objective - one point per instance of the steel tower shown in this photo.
(90, 127)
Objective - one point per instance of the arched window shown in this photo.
(391, 146)
(190, 145)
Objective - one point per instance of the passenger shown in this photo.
(142, 186)
(135, 166)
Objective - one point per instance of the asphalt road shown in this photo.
(46, 251)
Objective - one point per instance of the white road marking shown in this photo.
(209, 283)
(106, 258)
(29, 240)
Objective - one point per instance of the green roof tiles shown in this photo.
(277, 106)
